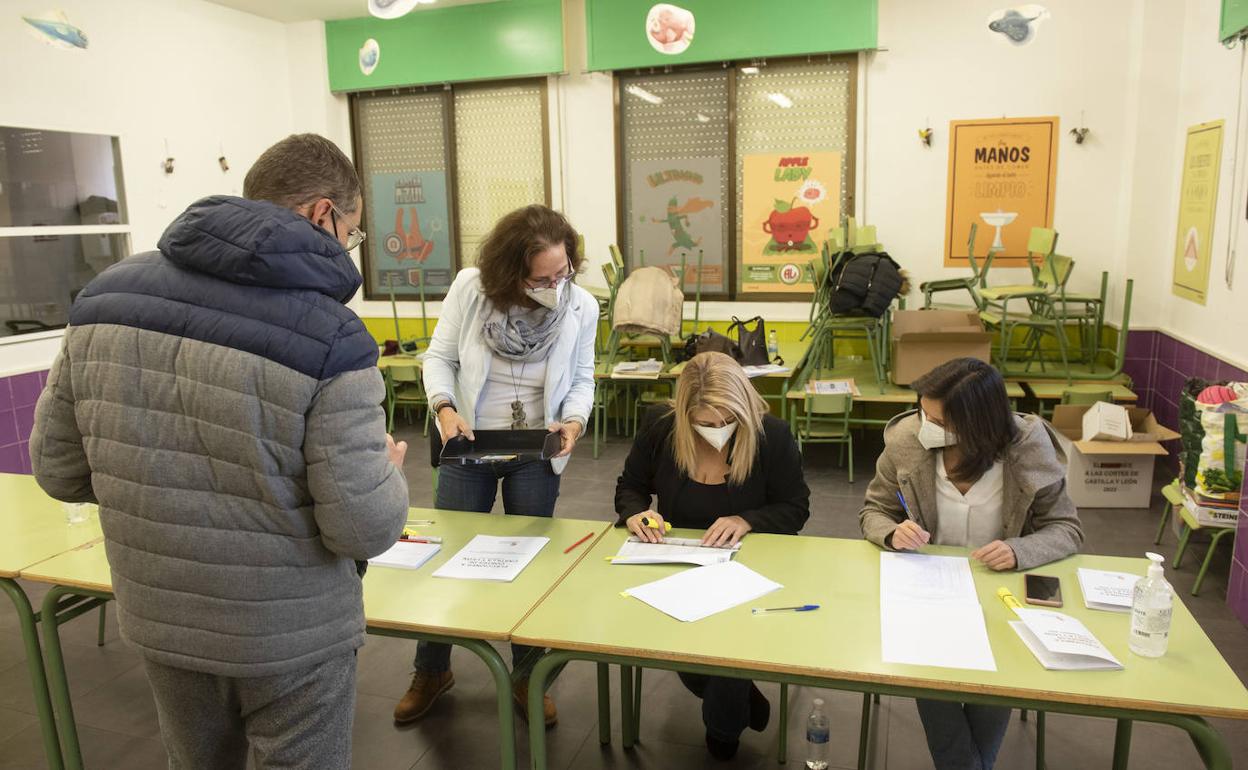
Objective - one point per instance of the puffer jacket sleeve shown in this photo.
(57, 457)
(360, 497)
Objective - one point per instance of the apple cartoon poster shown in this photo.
(789, 202)
(676, 209)
(408, 231)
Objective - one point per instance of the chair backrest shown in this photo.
(609, 273)
(1086, 397)
(1055, 271)
(864, 240)
(617, 258)
(1042, 241)
(826, 405)
(404, 374)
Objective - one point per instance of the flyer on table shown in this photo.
(789, 202)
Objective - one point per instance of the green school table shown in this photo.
(410, 604)
(32, 529)
(838, 646)
(1052, 391)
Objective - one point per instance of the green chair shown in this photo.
(405, 390)
(826, 421)
(968, 284)
(1173, 493)
(1216, 534)
(1042, 313)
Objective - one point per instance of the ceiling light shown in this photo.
(644, 95)
(702, 118)
(780, 99)
(749, 70)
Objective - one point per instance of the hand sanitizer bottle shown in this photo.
(1150, 612)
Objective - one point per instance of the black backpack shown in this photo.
(864, 284)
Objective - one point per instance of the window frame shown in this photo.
(447, 90)
(733, 71)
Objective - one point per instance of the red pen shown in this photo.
(578, 542)
(420, 540)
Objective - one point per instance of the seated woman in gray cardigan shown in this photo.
(976, 475)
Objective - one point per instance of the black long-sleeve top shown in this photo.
(774, 498)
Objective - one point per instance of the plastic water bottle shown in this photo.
(817, 738)
(1151, 607)
(773, 345)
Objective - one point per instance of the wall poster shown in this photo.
(788, 203)
(1198, 197)
(678, 210)
(1002, 176)
(409, 231)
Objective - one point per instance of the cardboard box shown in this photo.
(1110, 474)
(1106, 422)
(925, 339)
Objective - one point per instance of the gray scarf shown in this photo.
(514, 336)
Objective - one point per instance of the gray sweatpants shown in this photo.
(297, 720)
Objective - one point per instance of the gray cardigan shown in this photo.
(1041, 523)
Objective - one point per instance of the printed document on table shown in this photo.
(1104, 590)
(703, 591)
(406, 555)
(1061, 642)
(489, 557)
(930, 613)
(764, 369)
(673, 550)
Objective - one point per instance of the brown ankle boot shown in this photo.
(420, 697)
(520, 693)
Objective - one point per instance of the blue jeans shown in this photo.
(530, 488)
(725, 703)
(963, 736)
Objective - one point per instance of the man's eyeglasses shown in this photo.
(355, 236)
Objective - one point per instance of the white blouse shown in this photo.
(508, 381)
(971, 520)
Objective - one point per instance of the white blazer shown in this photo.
(458, 360)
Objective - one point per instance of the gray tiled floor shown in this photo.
(117, 719)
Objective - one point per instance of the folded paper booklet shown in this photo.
(1061, 642)
(488, 557)
(694, 594)
(638, 370)
(406, 555)
(1103, 590)
(673, 550)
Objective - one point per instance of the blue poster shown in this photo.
(410, 234)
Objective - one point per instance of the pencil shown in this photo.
(578, 542)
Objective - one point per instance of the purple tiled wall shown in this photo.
(18, 395)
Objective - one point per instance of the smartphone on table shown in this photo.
(1043, 590)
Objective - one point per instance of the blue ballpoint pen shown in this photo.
(902, 499)
(802, 608)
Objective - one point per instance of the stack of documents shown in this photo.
(1061, 642)
(406, 555)
(759, 371)
(673, 550)
(637, 370)
(698, 593)
(930, 613)
(1107, 590)
(487, 557)
(832, 388)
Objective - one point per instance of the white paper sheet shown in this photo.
(1061, 642)
(930, 613)
(488, 557)
(763, 369)
(673, 550)
(1104, 590)
(703, 591)
(406, 555)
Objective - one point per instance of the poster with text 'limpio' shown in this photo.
(789, 202)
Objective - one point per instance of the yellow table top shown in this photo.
(384, 362)
(33, 527)
(587, 612)
(1052, 391)
(870, 393)
(414, 600)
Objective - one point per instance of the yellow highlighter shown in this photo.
(1009, 599)
(646, 521)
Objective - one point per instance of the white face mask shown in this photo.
(932, 436)
(547, 296)
(716, 437)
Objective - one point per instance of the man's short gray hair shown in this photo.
(301, 169)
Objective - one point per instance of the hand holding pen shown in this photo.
(908, 536)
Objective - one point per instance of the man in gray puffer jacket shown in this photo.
(220, 402)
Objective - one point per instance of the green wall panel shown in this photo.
(512, 38)
(1234, 18)
(730, 29)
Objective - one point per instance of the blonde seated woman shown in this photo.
(717, 461)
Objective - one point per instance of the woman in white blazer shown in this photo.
(513, 349)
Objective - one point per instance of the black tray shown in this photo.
(496, 446)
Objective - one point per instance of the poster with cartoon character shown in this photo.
(789, 201)
(677, 212)
(408, 232)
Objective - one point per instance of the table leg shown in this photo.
(38, 676)
(604, 704)
(53, 614)
(1122, 744)
(864, 730)
(626, 707)
(543, 671)
(637, 704)
(502, 683)
(782, 752)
